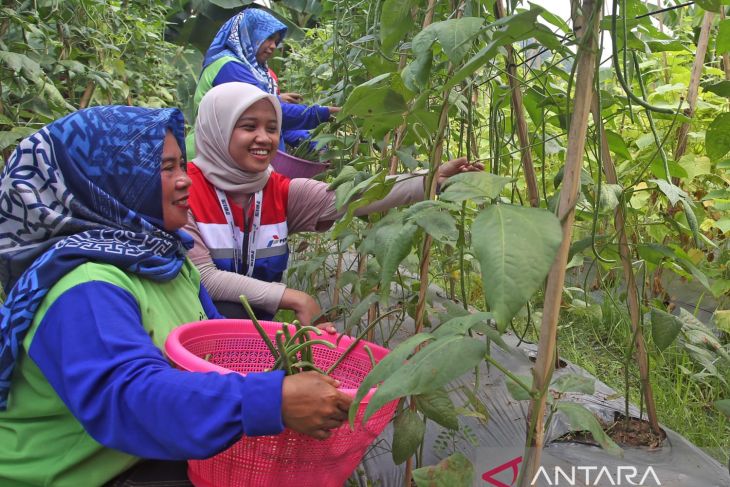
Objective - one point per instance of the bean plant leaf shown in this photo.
(455, 35)
(610, 196)
(360, 310)
(515, 247)
(430, 368)
(453, 471)
(439, 224)
(11, 137)
(395, 22)
(710, 5)
(665, 328)
(482, 413)
(408, 430)
(397, 248)
(437, 406)
(617, 145)
(581, 419)
(510, 29)
(720, 88)
(717, 137)
(385, 368)
(518, 392)
(722, 320)
(478, 186)
(723, 37)
(723, 405)
(672, 192)
(574, 383)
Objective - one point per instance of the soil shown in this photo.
(632, 433)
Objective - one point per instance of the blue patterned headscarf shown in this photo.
(241, 36)
(84, 188)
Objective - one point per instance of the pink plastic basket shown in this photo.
(289, 458)
(294, 167)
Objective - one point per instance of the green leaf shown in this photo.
(617, 145)
(721, 317)
(456, 35)
(710, 5)
(437, 223)
(723, 405)
(665, 45)
(723, 37)
(477, 405)
(395, 22)
(516, 247)
(581, 419)
(717, 137)
(672, 192)
(720, 88)
(11, 137)
(408, 430)
(418, 72)
(461, 325)
(510, 29)
(518, 392)
(453, 471)
(432, 367)
(664, 328)
(478, 186)
(610, 196)
(381, 102)
(397, 248)
(360, 310)
(385, 368)
(437, 406)
(574, 383)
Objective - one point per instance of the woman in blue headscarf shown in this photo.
(239, 53)
(96, 274)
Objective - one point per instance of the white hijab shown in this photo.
(218, 113)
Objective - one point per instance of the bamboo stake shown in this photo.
(632, 293)
(694, 84)
(519, 113)
(86, 95)
(543, 370)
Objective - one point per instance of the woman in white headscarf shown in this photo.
(242, 212)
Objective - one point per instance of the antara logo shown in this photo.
(586, 474)
(275, 240)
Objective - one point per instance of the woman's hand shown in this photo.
(457, 166)
(291, 98)
(305, 307)
(311, 404)
(334, 110)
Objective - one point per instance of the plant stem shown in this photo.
(259, 328)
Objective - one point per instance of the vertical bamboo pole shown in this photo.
(694, 84)
(632, 293)
(519, 114)
(585, 22)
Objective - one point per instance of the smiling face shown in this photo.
(255, 137)
(175, 185)
(266, 49)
